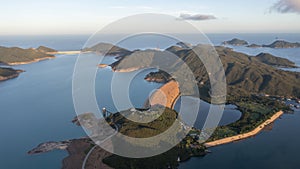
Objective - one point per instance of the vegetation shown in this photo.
(45, 49)
(236, 42)
(254, 46)
(165, 160)
(164, 118)
(278, 44)
(275, 61)
(159, 77)
(108, 49)
(184, 150)
(282, 44)
(15, 55)
(255, 110)
(245, 75)
(8, 73)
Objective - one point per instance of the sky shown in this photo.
(38, 17)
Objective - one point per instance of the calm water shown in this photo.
(37, 107)
(275, 149)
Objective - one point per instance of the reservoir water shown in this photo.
(37, 107)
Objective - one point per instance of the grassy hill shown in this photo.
(187, 148)
(245, 74)
(45, 49)
(16, 55)
(107, 49)
(275, 61)
(144, 130)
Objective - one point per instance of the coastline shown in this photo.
(245, 135)
(2, 78)
(169, 93)
(72, 52)
(32, 61)
(17, 73)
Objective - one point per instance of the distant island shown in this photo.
(17, 56)
(275, 44)
(282, 44)
(235, 42)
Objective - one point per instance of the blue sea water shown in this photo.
(37, 107)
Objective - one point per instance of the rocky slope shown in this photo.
(8, 73)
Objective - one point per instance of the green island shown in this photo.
(235, 42)
(275, 44)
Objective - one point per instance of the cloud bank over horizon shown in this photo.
(196, 17)
(286, 6)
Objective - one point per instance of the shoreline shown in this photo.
(252, 133)
(4, 78)
(45, 58)
(71, 52)
(32, 61)
(167, 95)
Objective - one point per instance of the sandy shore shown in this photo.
(245, 135)
(102, 65)
(65, 52)
(166, 95)
(33, 61)
(126, 70)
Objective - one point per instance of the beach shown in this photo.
(245, 135)
(65, 52)
(28, 62)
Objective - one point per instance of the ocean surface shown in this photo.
(37, 107)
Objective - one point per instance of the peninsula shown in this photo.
(17, 56)
(252, 133)
(275, 61)
(250, 81)
(277, 44)
(9, 73)
(283, 44)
